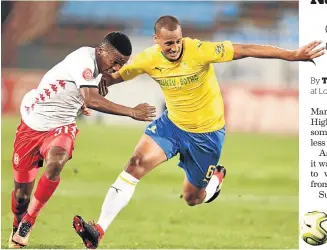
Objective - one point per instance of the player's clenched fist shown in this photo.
(86, 111)
(309, 52)
(143, 112)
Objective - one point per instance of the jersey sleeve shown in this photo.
(82, 72)
(137, 66)
(215, 52)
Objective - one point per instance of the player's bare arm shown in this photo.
(93, 100)
(107, 81)
(305, 53)
(113, 78)
(103, 90)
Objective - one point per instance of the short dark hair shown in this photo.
(119, 41)
(168, 22)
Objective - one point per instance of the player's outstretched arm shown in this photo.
(93, 100)
(305, 53)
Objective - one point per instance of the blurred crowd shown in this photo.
(38, 29)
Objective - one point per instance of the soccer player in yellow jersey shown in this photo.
(193, 124)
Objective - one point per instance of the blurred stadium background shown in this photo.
(258, 208)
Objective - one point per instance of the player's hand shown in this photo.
(309, 52)
(103, 89)
(143, 112)
(86, 111)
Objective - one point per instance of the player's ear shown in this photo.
(155, 39)
(97, 50)
(100, 50)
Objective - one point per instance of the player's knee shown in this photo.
(56, 159)
(136, 160)
(54, 168)
(21, 194)
(191, 199)
(135, 166)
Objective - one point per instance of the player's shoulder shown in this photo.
(83, 55)
(193, 49)
(152, 51)
(83, 52)
(197, 43)
(192, 43)
(147, 55)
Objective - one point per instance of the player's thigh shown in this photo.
(58, 146)
(147, 153)
(56, 158)
(26, 158)
(155, 146)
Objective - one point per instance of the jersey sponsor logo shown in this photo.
(16, 159)
(87, 74)
(177, 82)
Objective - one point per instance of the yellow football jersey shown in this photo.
(190, 87)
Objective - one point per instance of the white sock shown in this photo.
(211, 188)
(117, 197)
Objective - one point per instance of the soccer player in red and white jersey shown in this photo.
(48, 124)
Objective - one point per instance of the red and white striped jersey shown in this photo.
(57, 100)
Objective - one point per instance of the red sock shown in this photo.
(44, 190)
(18, 208)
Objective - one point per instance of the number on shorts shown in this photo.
(73, 131)
(66, 130)
(210, 171)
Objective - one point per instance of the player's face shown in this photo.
(110, 61)
(170, 42)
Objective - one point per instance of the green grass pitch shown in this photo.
(258, 207)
